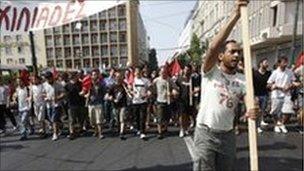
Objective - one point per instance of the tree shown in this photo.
(153, 64)
(184, 59)
(195, 50)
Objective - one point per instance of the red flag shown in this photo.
(86, 83)
(300, 60)
(175, 68)
(25, 77)
(55, 73)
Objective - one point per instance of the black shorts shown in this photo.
(162, 113)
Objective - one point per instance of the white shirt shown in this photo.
(162, 86)
(51, 92)
(140, 87)
(3, 94)
(220, 95)
(37, 94)
(281, 79)
(23, 102)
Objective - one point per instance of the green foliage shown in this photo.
(195, 50)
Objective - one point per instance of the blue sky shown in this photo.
(164, 21)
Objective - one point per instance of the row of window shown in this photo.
(10, 61)
(103, 51)
(87, 63)
(86, 39)
(83, 26)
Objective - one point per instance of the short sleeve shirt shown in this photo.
(220, 96)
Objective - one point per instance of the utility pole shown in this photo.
(294, 36)
(132, 34)
(34, 59)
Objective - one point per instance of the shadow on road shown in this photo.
(181, 167)
(5, 148)
(275, 146)
(272, 164)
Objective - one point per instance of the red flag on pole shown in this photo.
(175, 68)
(55, 73)
(25, 77)
(86, 83)
(300, 60)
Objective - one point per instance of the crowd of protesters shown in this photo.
(134, 100)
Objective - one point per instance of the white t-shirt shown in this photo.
(281, 79)
(23, 94)
(140, 88)
(162, 86)
(51, 92)
(38, 94)
(220, 95)
(3, 94)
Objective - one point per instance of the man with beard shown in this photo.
(260, 78)
(222, 90)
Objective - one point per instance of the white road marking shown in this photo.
(190, 144)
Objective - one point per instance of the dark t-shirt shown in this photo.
(183, 89)
(119, 95)
(72, 94)
(97, 92)
(260, 82)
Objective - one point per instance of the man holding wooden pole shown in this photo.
(222, 90)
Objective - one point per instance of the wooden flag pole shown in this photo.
(254, 166)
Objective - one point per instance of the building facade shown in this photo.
(16, 50)
(100, 40)
(271, 26)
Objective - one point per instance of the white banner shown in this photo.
(18, 16)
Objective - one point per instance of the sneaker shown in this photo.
(15, 128)
(192, 125)
(142, 136)
(283, 129)
(260, 130)
(2, 131)
(138, 133)
(101, 136)
(263, 123)
(160, 136)
(187, 133)
(122, 136)
(181, 134)
(55, 137)
(277, 129)
(71, 137)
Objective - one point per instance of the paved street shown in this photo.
(276, 152)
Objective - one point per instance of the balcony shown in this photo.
(104, 51)
(76, 40)
(95, 51)
(104, 38)
(113, 37)
(93, 26)
(85, 39)
(103, 15)
(58, 53)
(66, 40)
(94, 38)
(58, 41)
(66, 29)
(67, 53)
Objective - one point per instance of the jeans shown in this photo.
(214, 151)
(25, 122)
(6, 111)
(108, 110)
(263, 101)
(54, 113)
(140, 110)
